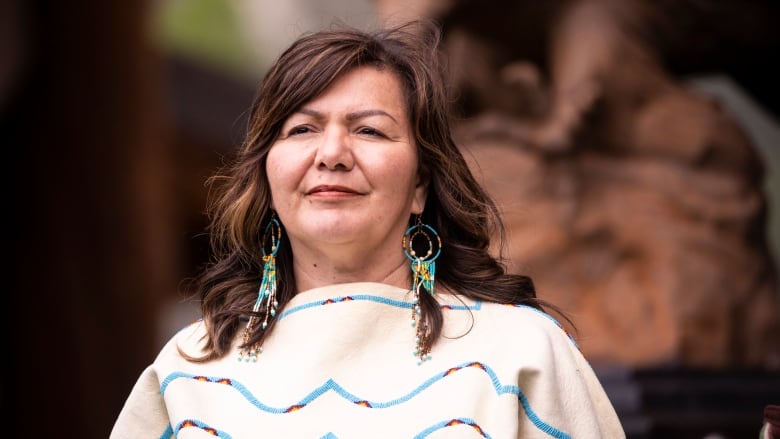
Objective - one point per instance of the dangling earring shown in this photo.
(266, 295)
(423, 276)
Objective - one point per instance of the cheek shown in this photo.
(275, 174)
(278, 170)
(285, 171)
(400, 175)
(272, 172)
(406, 170)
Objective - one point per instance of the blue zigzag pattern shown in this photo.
(333, 386)
(168, 433)
(452, 423)
(198, 424)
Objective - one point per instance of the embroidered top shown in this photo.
(340, 364)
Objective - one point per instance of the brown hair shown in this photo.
(457, 207)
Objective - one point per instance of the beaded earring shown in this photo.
(423, 276)
(266, 295)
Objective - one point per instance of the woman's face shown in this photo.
(344, 168)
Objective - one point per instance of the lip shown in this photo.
(334, 190)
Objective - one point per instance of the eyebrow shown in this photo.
(350, 116)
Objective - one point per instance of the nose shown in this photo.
(335, 151)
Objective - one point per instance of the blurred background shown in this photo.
(633, 146)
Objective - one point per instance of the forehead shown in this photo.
(364, 85)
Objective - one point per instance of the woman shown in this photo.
(353, 293)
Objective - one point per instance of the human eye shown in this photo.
(298, 130)
(371, 132)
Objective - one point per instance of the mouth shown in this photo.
(332, 190)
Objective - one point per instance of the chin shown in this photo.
(336, 235)
(333, 229)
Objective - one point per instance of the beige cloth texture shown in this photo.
(340, 364)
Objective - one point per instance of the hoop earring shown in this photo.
(423, 276)
(266, 295)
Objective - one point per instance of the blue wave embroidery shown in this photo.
(331, 385)
(168, 433)
(198, 424)
(452, 423)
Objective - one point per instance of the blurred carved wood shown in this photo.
(635, 203)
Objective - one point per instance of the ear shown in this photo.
(420, 195)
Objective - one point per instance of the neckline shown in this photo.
(350, 288)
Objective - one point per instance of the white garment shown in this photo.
(340, 364)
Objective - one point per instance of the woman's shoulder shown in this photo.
(533, 314)
(188, 339)
(522, 321)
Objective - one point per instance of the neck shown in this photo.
(313, 271)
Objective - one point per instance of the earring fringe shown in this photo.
(423, 276)
(266, 295)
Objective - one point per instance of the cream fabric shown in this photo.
(339, 364)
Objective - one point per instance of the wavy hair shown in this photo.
(460, 210)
